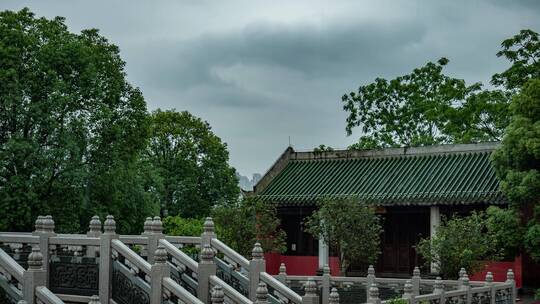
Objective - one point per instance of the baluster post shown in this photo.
(218, 296)
(282, 275)
(510, 278)
(153, 236)
(374, 294)
(94, 300)
(310, 296)
(105, 260)
(461, 273)
(489, 282)
(44, 230)
(35, 276)
(370, 279)
(262, 294)
(256, 266)
(206, 268)
(438, 288)
(466, 285)
(415, 281)
(159, 270)
(334, 297)
(209, 232)
(94, 230)
(326, 285)
(408, 292)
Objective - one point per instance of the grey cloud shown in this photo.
(260, 72)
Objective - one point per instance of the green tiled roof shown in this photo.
(421, 179)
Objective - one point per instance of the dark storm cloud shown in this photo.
(263, 72)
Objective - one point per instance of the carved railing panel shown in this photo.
(230, 276)
(127, 287)
(184, 277)
(74, 275)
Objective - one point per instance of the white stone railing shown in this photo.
(158, 268)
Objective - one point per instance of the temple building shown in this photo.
(412, 188)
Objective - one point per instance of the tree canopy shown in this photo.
(248, 221)
(517, 161)
(424, 107)
(70, 126)
(192, 165)
(349, 226)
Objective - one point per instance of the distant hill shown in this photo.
(246, 183)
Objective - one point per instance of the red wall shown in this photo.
(298, 265)
(499, 269)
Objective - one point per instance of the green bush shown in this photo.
(459, 242)
(359, 242)
(250, 220)
(176, 225)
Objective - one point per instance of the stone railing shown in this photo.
(152, 268)
(372, 289)
(25, 286)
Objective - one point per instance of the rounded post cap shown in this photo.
(157, 225)
(489, 277)
(334, 296)
(371, 270)
(94, 300)
(408, 288)
(160, 255)
(207, 253)
(374, 291)
(208, 225)
(148, 225)
(438, 283)
(110, 224)
(95, 224)
(261, 293)
(326, 269)
(35, 259)
(310, 287)
(416, 272)
(217, 295)
(257, 253)
(282, 269)
(510, 275)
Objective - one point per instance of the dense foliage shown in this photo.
(349, 226)
(450, 251)
(71, 127)
(175, 225)
(518, 160)
(491, 235)
(424, 107)
(250, 220)
(192, 164)
(76, 138)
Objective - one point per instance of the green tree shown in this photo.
(249, 220)
(348, 225)
(424, 107)
(71, 127)
(517, 160)
(450, 251)
(175, 225)
(523, 51)
(503, 227)
(192, 165)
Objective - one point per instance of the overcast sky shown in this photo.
(263, 71)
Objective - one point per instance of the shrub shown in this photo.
(350, 226)
(450, 250)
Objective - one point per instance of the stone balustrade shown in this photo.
(152, 268)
